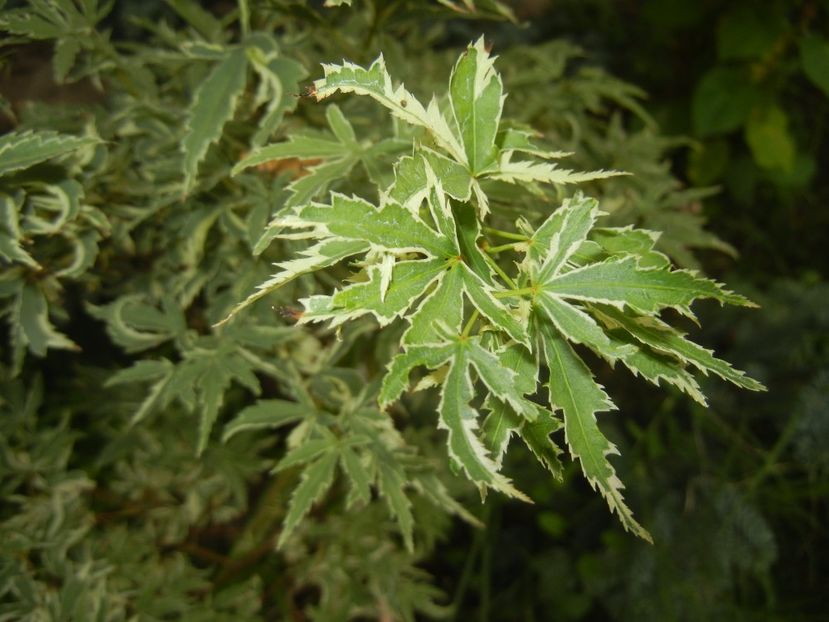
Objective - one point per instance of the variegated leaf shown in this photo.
(377, 84)
(214, 103)
(574, 391)
(476, 94)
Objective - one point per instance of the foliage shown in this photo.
(241, 460)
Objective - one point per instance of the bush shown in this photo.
(139, 231)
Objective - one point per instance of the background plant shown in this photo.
(127, 239)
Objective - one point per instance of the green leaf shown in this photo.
(655, 368)
(213, 105)
(442, 308)
(141, 371)
(308, 451)
(578, 327)
(476, 94)
(376, 83)
(30, 24)
(561, 235)
(767, 133)
(66, 51)
(396, 379)
(814, 58)
(622, 282)
(468, 228)
(301, 146)
(199, 18)
(662, 338)
(281, 77)
(408, 281)
(460, 420)
(390, 226)
(536, 436)
(31, 319)
(21, 150)
(411, 181)
(337, 152)
(10, 234)
(322, 255)
(574, 391)
(357, 474)
(512, 139)
(273, 413)
(482, 297)
(316, 480)
(391, 482)
(629, 241)
(746, 33)
(213, 381)
(722, 101)
(544, 172)
(457, 417)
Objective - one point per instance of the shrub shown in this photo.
(138, 233)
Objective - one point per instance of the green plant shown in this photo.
(602, 288)
(133, 227)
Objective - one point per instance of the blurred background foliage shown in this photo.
(721, 111)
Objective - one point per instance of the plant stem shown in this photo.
(468, 328)
(244, 17)
(500, 272)
(506, 234)
(503, 247)
(515, 293)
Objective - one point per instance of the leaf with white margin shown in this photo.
(658, 335)
(512, 139)
(273, 413)
(457, 417)
(214, 103)
(482, 297)
(391, 481)
(622, 282)
(376, 83)
(655, 368)
(30, 322)
(20, 150)
(390, 227)
(560, 236)
(574, 391)
(442, 308)
(502, 420)
(476, 95)
(460, 420)
(322, 255)
(577, 326)
(315, 481)
(409, 280)
(525, 171)
(10, 233)
(410, 181)
(503, 383)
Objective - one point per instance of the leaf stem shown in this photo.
(515, 293)
(500, 272)
(244, 17)
(503, 247)
(468, 328)
(506, 234)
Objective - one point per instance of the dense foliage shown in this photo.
(180, 439)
